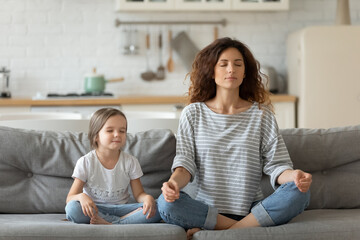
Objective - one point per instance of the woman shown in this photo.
(228, 137)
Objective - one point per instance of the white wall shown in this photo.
(50, 44)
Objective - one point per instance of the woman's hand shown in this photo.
(170, 191)
(87, 205)
(149, 206)
(301, 179)
(178, 180)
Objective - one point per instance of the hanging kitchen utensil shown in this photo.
(148, 75)
(160, 74)
(170, 63)
(185, 48)
(4, 81)
(133, 47)
(125, 42)
(216, 33)
(95, 83)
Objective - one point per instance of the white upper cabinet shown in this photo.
(144, 5)
(201, 5)
(260, 5)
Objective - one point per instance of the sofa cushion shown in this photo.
(36, 166)
(333, 157)
(51, 227)
(155, 150)
(35, 169)
(322, 224)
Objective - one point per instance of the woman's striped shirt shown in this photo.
(228, 153)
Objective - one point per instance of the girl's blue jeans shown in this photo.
(280, 207)
(111, 213)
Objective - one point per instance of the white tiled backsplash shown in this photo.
(49, 45)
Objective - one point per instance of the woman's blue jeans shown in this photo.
(280, 207)
(111, 213)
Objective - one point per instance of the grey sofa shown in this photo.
(35, 170)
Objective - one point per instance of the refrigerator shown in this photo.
(324, 74)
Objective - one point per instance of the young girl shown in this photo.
(99, 194)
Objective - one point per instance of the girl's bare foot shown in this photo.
(99, 220)
(191, 232)
(126, 215)
(248, 221)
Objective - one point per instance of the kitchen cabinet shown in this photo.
(260, 5)
(201, 5)
(132, 111)
(14, 109)
(285, 113)
(137, 107)
(84, 111)
(152, 110)
(144, 5)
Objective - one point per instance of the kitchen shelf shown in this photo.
(118, 22)
(201, 5)
(94, 101)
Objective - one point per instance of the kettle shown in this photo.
(272, 82)
(4, 81)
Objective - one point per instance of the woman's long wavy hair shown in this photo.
(202, 84)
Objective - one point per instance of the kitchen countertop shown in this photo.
(114, 101)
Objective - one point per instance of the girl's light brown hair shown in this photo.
(203, 86)
(98, 120)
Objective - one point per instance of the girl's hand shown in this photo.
(149, 206)
(88, 206)
(302, 180)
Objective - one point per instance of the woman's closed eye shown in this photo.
(225, 65)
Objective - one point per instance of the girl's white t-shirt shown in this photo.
(107, 185)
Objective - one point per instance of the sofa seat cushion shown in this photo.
(52, 226)
(325, 224)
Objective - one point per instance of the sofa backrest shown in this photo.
(36, 166)
(332, 156)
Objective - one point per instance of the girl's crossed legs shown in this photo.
(110, 214)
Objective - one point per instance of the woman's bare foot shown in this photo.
(191, 232)
(99, 220)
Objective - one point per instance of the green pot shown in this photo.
(95, 83)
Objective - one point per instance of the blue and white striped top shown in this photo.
(228, 153)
